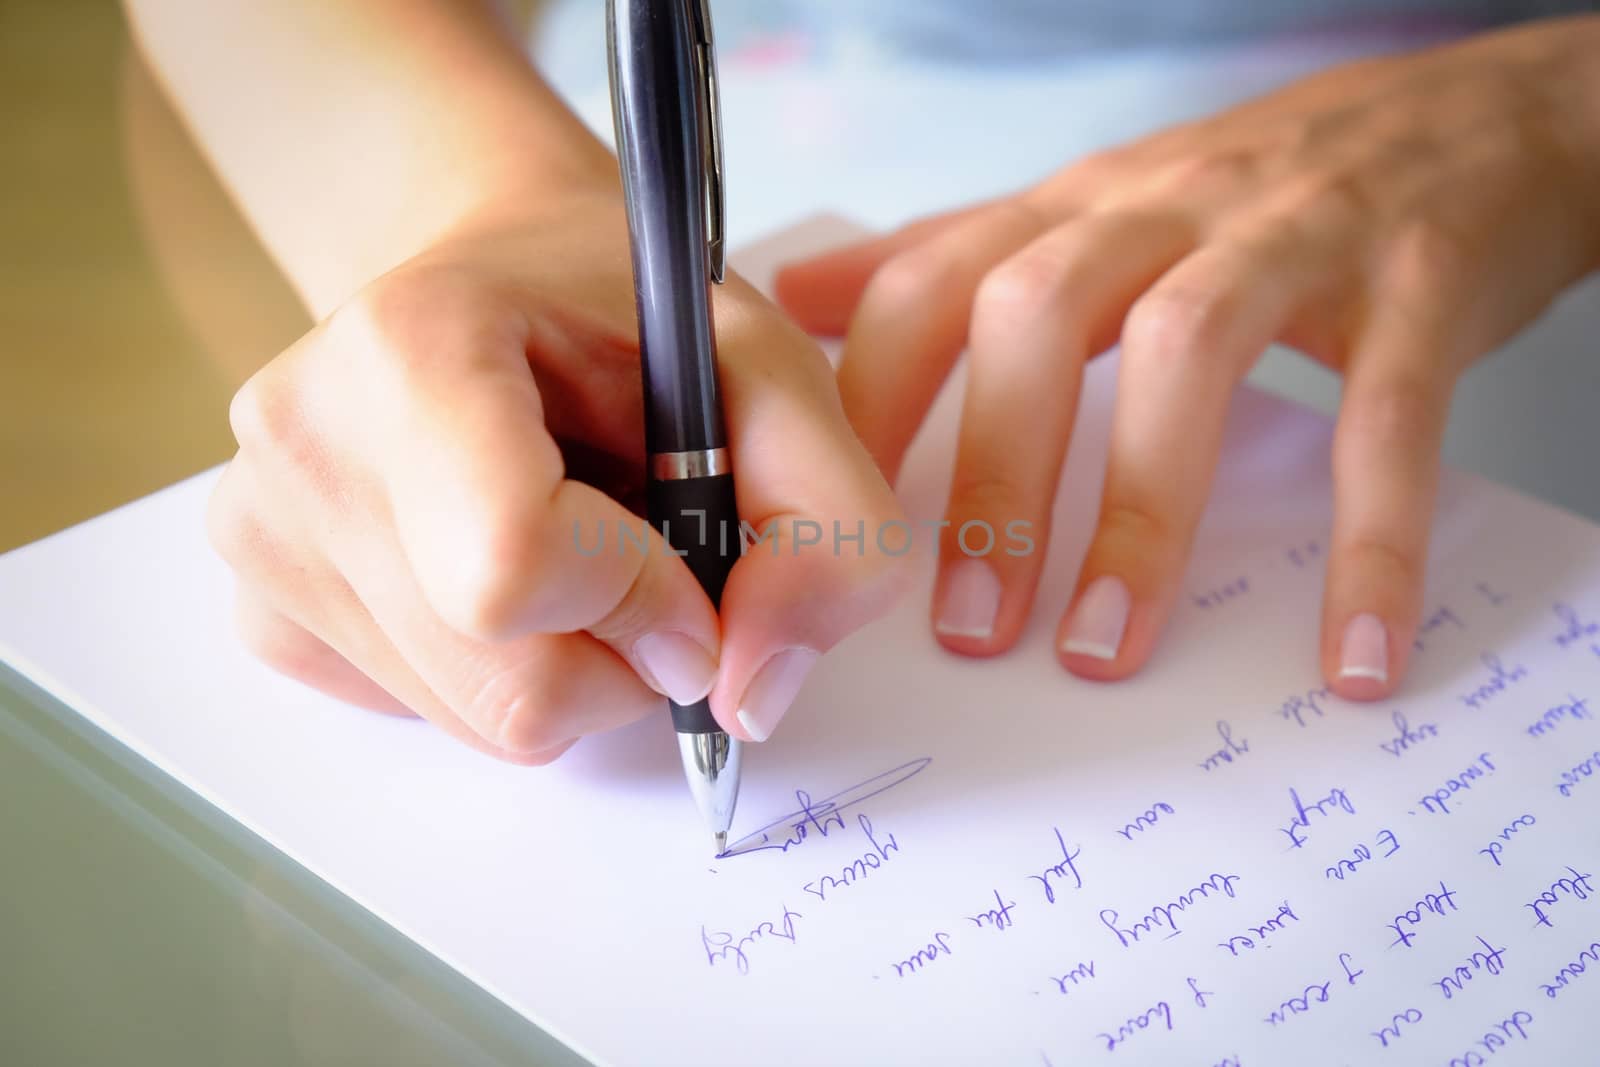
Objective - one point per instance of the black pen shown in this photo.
(669, 145)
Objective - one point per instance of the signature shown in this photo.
(819, 818)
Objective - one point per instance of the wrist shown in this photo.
(511, 166)
(1580, 61)
(1558, 74)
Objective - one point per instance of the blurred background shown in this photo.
(134, 300)
(110, 385)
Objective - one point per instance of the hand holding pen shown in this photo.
(665, 102)
(423, 479)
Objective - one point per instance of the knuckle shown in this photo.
(860, 581)
(1178, 323)
(276, 427)
(266, 414)
(1023, 287)
(990, 515)
(1426, 254)
(633, 613)
(394, 307)
(884, 576)
(520, 709)
(503, 563)
(1339, 190)
(989, 494)
(1401, 410)
(868, 586)
(1216, 169)
(1399, 565)
(908, 279)
(1136, 532)
(421, 317)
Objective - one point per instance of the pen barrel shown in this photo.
(661, 121)
(699, 519)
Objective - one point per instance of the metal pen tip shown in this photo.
(711, 765)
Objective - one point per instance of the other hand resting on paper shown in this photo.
(1393, 219)
(423, 478)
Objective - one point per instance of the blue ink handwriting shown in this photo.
(1296, 707)
(1515, 826)
(1303, 555)
(858, 868)
(1406, 735)
(1145, 820)
(1489, 961)
(820, 817)
(1166, 915)
(1500, 679)
(1577, 887)
(1215, 598)
(1230, 748)
(1316, 993)
(997, 917)
(1079, 974)
(1259, 934)
(1386, 841)
(1067, 866)
(938, 946)
(1438, 801)
(1571, 779)
(1588, 957)
(1335, 800)
(1391, 1030)
(1495, 1039)
(1574, 708)
(1574, 628)
(720, 945)
(1159, 1012)
(1440, 618)
(1438, 904)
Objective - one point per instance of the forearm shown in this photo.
(354, 133)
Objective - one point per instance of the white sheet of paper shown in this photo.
(1212, 863)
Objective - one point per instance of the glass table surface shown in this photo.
(139, 925)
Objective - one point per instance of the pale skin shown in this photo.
(399, 511)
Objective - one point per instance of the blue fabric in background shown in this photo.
(1022, 33)
(1015, 32)
(1037, 30)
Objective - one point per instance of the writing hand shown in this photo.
(1393, 219)
(422, 479)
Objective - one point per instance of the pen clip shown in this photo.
(710, 134)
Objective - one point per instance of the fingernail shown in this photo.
(1098, 621)
(970, 602)
(679, 666)
(1365, 652)
(772, 690)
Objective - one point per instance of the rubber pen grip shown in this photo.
(700, 520)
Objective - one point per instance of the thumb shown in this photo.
(501, 542)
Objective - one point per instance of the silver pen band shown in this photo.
(676, 466)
